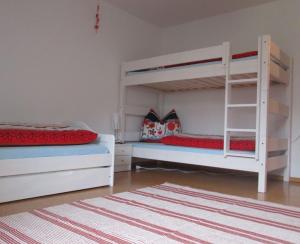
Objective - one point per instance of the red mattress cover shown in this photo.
(30, 135)
(209, 142)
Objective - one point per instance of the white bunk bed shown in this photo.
(270, 66)
(69, 168)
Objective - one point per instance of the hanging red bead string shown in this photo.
(97, 25)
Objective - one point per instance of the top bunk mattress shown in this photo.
(52, 151)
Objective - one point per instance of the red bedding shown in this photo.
(214, 142)
(37, 135)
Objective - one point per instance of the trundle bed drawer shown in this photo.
(25, 166)
(52, 183)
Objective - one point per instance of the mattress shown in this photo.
(163, 147)
(48, 151)
(30, 134)
(210, 142)
(235, 58)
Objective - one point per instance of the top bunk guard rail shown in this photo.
(174, 59)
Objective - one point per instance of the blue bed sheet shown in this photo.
(48, 151)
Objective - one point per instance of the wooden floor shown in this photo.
(245, 186)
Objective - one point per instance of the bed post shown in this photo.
(287, 170)
(264, 83)
(226, 62)
(122, 101)
(109, 142)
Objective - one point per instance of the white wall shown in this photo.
(202, 112)
(54, 67)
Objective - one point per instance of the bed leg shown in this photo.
(109, 142)
(262, 181)
(286, 174)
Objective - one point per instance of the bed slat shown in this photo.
(278, 74)
(277, 144)
(281, 57)
(277, 162)
(278, 108)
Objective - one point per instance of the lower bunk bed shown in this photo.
(191, 155)
(208, 157)
(33, 171)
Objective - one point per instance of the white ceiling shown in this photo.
(165, 13)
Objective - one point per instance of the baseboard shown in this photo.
(295, 179)
(280, 177)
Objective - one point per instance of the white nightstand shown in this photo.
(123, 154)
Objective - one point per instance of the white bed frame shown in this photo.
(33, 177)
(272, 66)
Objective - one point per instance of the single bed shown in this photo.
(31, 171)
(196, 156)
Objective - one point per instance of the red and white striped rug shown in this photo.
(165, 213)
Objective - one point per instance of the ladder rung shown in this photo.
(240, 154)
(242, 81)
(246, 105)
(240, 130)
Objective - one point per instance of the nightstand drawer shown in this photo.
(123, 149)
(122, 160)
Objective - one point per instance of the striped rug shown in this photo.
(165, 213)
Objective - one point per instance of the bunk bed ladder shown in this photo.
(229, 83)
